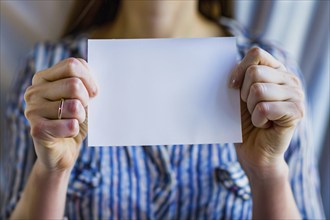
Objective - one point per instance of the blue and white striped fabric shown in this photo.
(151, 182)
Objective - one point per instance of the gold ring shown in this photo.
(60, 109)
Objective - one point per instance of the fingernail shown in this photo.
(233, 82)
(95, 89)
(93, 92)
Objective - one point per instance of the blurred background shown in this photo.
(299, 26)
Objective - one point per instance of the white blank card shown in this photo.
(163, 92)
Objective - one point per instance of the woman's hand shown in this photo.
(57, 140)
(272, 103)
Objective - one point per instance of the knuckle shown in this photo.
(295, 80)
(71, 65)
(28, 112)
(253, 72)
(300, 93)
(73, 107)
(73, 127)
(84, 62)
(300, 108)
(262, 108)
(32, 93)
(35, 77)
(258, 90)
(75, 86)
(256, 51)
(28, 94)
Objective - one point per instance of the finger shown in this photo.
(68, 68)
(255, 56)
(260, 92)
(83, 62)
(50, 129)
(284, 114)
(265, 74)
(72, 109)
(69, 88)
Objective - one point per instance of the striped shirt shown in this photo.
(152, 182)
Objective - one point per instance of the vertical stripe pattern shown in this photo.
(150, 182)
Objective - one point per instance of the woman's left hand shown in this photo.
(272, 103)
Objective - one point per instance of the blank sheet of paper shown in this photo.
(163, 92)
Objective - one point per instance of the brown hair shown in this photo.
(90, 13)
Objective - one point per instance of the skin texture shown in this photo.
(57, 142)
(271, 107)
(272, 103)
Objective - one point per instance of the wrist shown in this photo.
(272, 195)
(44, 172)
(279, 172)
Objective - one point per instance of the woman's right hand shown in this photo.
(57, 141)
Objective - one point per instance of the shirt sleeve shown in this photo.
(300, 156)
(18, 153)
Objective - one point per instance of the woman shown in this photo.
(158, 182)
